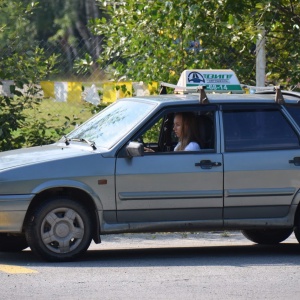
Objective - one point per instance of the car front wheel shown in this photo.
(267, 236)
(60, 229)
(11, 243)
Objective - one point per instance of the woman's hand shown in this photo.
(148, 149)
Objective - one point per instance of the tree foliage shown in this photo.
(65, 23)
(24, 65)
(152, 40)
(14, 20)
(281, 19)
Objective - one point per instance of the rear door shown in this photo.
(260, 178)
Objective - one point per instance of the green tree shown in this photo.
(155, 40)
(13, 25)
(64, 25)
(281, 20)
(25, 65)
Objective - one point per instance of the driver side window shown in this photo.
(151, 137)
(196, 132)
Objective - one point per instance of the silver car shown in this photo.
(98, 180)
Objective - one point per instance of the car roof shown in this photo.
(218, 98)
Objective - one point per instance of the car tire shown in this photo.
(297, 229)
(11, 243)
(267, 236)
(59, 230)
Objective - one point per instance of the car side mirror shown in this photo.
(135, 149)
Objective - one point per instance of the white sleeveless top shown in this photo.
(192, 146)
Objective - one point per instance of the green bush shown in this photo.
(25, 68)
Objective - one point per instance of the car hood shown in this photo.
(34, 155)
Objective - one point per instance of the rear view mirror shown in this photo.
(135, 149)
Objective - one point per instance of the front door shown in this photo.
(171, 186)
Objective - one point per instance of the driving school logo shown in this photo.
(211, 78)
(196, 77)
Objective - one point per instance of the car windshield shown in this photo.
(114, 122)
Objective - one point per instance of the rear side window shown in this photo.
(261, 129)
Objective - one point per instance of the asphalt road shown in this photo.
(159, 266)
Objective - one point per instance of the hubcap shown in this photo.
(62, 230)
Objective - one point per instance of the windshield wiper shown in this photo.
(91, 143)
(67, 141)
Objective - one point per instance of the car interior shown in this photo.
(161, 138)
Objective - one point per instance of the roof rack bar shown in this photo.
(171, 85)
(202, 95)
(203, 99)
(278, 94)
(261, 88)
(178, 87)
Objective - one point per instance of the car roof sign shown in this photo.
(218, 81)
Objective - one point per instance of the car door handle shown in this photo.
(295, 161)
(208, 164)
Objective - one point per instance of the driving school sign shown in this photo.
(214, 80)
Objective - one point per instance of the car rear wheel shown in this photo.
(297, 229)
(59, 230)
(11, 243)
(267, 236)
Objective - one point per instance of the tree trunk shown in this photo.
(92, 12)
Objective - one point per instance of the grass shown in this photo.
(56, 112)
(52, 116)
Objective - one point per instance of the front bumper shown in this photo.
(13, 209)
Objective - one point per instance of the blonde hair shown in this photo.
(190, 131)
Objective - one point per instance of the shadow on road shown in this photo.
(241, 255)
(209, 255)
